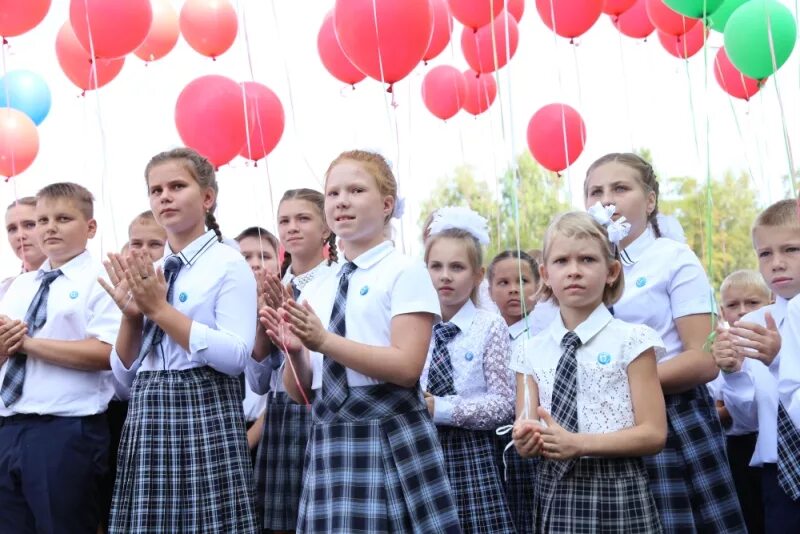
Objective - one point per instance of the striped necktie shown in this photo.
(440, 373)
(564, 402)
(152, 334)
(788, 455)
(334, 375)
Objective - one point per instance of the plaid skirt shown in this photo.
(471, 460)
(690, 479)
(518, 475)
(596, 495)
(183, 462)
(279, 463)
(375, 465)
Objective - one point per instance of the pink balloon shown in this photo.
(265, 121)
(442, 29)
(19, 16)
(209, 26)
(478, 47)
(634, 22)
(78, 65)
(617, 7)
(556, 135)
(209, 116)
(686, 45)
(163, 35)
(115, 28)
(667, 20)
(731, 79)
(516, 8)
(332, 56)
(19, 142)
(572, 17)
(475, 13)
(443, 91)
(481, 90)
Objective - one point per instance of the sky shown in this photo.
(631, 94)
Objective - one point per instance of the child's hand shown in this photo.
(278, 331)
(116, 265)
(12, 334)
(557, 443)
(725, 355)
(148, 285)
(430, 402)
(273, 292)
(305, 324)
(527, 437)
(757, 342)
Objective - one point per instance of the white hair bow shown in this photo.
(399, 207)
(463, 219)
(617, 230)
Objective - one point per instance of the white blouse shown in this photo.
(609, 345)
(481, 376)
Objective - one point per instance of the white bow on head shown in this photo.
(461, 218)
(617, 230)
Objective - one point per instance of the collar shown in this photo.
(589, 328)
(519, 328)
(71, 269)
(192, 252)
(301, 280)
(633, 252)
(370, 257)
(464, 317)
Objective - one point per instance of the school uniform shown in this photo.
(373, 461)
(472, 399)
(282, 449)
(183, 464)
(53, 428)
(591, 494)
(690, 477)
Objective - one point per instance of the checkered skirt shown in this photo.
(279, 462)
(596, 495)
(183, 462)
(518, 478)
(471, 460)
(690, 479)
(375, 465)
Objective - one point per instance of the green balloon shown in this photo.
(694, 8)
(717, 20)
(747, 37)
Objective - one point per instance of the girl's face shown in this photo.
(20, 228)
(260, 255)
(506, 291)
(577, 271)
(301, 229)
(452, 274)
(617, 184)
(177, 200)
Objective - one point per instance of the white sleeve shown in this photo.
(789, 362)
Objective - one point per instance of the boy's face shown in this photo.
(739, 301)
(62, 229)
(147, 237)
(778, 252)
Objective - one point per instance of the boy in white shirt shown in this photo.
(57, 328)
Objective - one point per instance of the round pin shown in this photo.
(364, 290)
(603, 358)
(182, 297)
(73, 295)
(641, 281)
(468, 356)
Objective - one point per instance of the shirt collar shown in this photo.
(371, 257)
(634, 251)
(463, 318)
(519, 328)
(301, 280)
(589, 328)
(70, 269)
(192, 252)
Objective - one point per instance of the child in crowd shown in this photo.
(21, 233)
(146, 235)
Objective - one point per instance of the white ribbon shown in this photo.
(617, 230)
(463, 219)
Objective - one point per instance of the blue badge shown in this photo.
(468, 356)
(73, 295)
(603, 358)
(364, 290)
(182, 297)
(641, 281)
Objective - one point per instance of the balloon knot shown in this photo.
(390, 89)
(5, 42)
(213, 58)
(83, 94)
(572, 40)
(255, 164)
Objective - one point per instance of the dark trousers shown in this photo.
(51, 470)
(747, 480)
(781, 514)
(117, 413)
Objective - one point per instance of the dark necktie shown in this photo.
(152, 334)
(295, 290)
(334, 375)
(564, 402)
(788, 455)
(35, 318)
(440, 372)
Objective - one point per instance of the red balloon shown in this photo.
(731, 79)
(442, 29)
(481, 90)
(478, 47)
(443, 91)
(77, 64)
(634, 22)
(114, 28)
(164, 32)
(572, 17)
(265, 121)
(19, 16)
(332, 56)
(556, 135)
(686, 45)
(475, 13)
(667, 20)
(19, 142)
(387, 43)
(617, 7)
(209, 26)
(516, 8)
(210, 118)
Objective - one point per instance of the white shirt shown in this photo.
(480, 352)
(216, 289)
(663, 281)
(543, 313)
(78, 308)
(386, 284)
(751, 394)
(738, 427)
(608, 346)
(789, 368)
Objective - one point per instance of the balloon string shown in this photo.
(709, 183)
(8, 113)
(760, 159)
(744, 145)
(556, 55)
(500, 100)
(625, 94)
(692, 110)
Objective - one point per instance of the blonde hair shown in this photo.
(580, 225)
(80, 196)
(474, 250)
(783, 213)
(376, 166)
(146, 217)
(747, 279)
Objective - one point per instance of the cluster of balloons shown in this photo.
(222, 119)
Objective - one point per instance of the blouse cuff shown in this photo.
(122, 374)
(443, 410)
